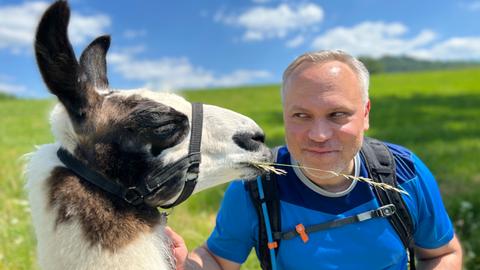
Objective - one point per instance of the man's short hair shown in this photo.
(324, 56)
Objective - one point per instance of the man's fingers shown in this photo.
(177, 240)
(179, 249)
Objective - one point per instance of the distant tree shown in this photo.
(5, 96)
(406, 63)
(389, 63)
(373, 65)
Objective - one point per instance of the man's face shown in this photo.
(324, 117)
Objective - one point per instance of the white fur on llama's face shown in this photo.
(122, 135)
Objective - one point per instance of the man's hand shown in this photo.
(200, 258)
(179, 249)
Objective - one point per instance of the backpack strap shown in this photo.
(380, 164)
(264, 195)
(303, 232)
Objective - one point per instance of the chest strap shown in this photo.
(300, 230)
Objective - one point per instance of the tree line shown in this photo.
(405, 63)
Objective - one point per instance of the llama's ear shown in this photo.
(93, 62)
(58, 65)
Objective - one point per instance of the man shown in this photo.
(326, 111)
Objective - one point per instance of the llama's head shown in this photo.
(127, 135)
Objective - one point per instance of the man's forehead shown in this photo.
(313, 70)
(330, 100)
(334, 70)
(324, 74)
(332, 84)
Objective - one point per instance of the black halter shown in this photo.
(136, 195)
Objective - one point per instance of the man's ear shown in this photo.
(366, 116)
(59, 68)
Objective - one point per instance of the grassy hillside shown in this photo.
(433, 113)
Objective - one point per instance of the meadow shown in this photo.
(434, 113)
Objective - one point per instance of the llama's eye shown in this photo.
(155, 150)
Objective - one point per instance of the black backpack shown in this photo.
(381, 167)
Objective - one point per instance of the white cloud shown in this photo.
(456, 48)
(377, 39)
(295, 42)
(18, 24)
(260, 1)
(83, 28)
(133, 34)
(471, 5)
(262, 23)
(177, 73)
(240, 76)
(10, 88)
(373, 39)
(132, 50)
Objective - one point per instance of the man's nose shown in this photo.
(320, 131)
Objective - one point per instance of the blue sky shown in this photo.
(173, 45)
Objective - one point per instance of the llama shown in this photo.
(126, 138)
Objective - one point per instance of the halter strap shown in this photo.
(194, 153)
(98, 180)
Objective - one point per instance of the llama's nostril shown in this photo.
(249, 141)
(259, 137)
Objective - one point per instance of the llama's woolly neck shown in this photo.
(105, 220)
(71, 234)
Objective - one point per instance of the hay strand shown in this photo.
(269, 167)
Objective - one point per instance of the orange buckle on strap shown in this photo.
(272, 245)
(301, 231)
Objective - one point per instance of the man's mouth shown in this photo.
(320, 151)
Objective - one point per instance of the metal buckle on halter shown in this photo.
(133, 196)
(386, 210)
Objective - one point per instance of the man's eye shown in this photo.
(300, 115)
(339, 114)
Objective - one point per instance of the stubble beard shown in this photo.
(341, 167)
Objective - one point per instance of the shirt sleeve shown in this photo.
(433, 226)
(233, 236)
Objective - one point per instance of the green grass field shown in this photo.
(436, 114)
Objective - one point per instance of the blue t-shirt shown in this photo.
(371, 244)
